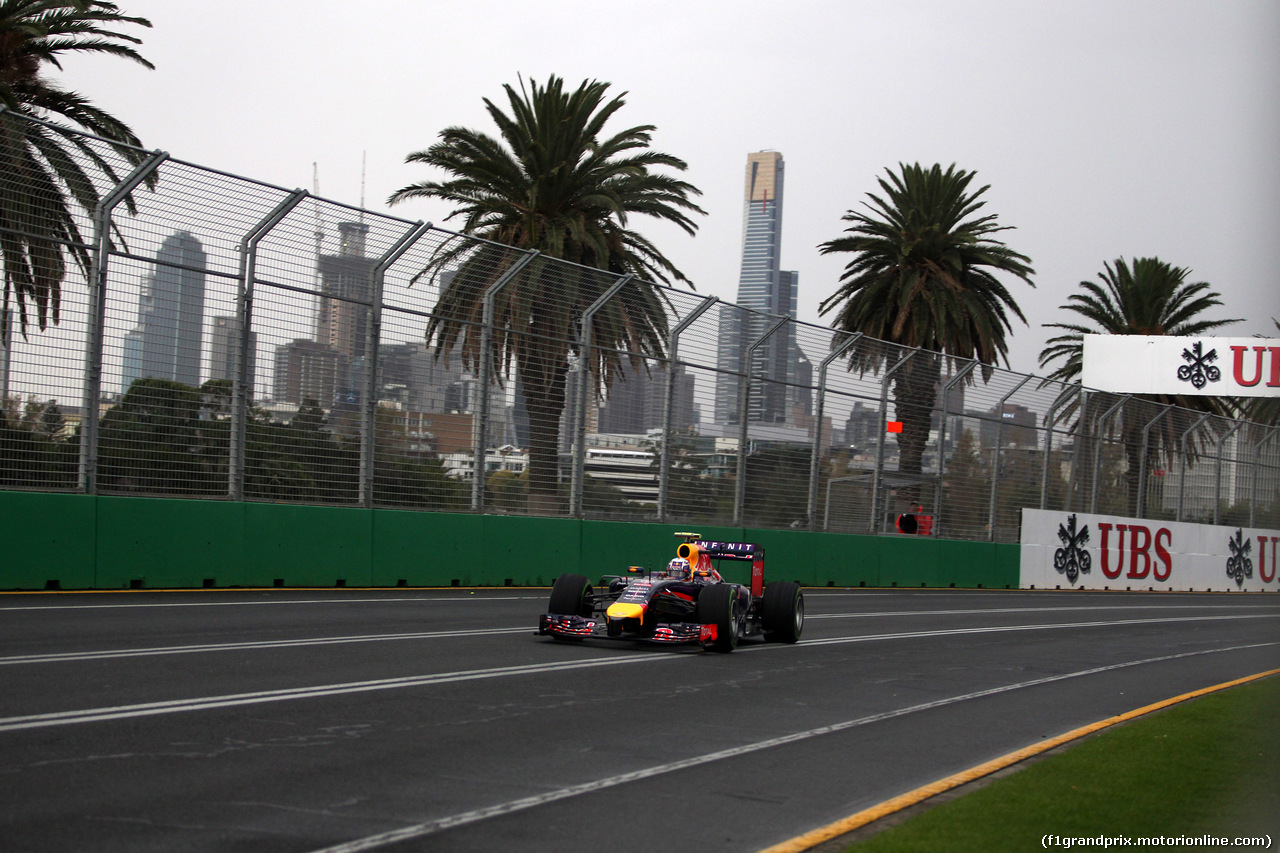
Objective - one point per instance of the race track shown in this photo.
(291, 720)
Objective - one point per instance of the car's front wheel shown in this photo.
(718, 605)
(571, 596)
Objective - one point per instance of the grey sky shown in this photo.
(1105, 129)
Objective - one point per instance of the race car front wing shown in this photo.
(586, 626)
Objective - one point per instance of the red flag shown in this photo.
(894, 426)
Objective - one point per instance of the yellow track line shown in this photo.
(812, 839)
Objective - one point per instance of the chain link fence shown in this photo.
(236, 340)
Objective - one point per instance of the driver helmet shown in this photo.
(679, 568)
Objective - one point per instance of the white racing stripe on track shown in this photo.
(90, 715)
(113, 654)
(455, 598)
(995, 629)
(206, 703)
(421, 830)
(986, 611)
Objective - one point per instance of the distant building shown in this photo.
(764, 288)
(345, 293)
(411, 375)
(309, 370)
(166, 342)
(1019, 427)
(223, 344)
(862, 429)
(636, 402)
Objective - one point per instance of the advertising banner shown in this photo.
(1076, 550)
(1220, 367)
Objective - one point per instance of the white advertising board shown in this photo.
(1228, 367)
(1076, 550)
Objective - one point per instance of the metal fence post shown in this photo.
(668, 408)
(1079, 447)
(995, 463)
(242, 386)
(874, 523)
(1142, 462)
(1217, 480)
(373, 336)
(87, 474)
(6, 332)
(815, 464)
(1257, 473)
(744, 402)
(480, 420)
(1051, 418)
(1097, 454)
(942, 439)
(1182, 478)
(584, 389)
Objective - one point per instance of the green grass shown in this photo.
(1209, 766)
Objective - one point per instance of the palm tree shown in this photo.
(923, 275)
(555, 183)
(49, 168)
(1149, 297)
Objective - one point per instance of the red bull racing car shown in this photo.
(686, 602)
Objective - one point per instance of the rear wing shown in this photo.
(700, 553)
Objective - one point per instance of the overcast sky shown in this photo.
(1105, 129)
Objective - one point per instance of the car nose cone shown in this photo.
(625, 610)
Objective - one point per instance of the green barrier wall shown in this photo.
(54, 541)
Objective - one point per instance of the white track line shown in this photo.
(454, 598)
(113, 654)
(91, 715)
(233, 700)
(421, 830)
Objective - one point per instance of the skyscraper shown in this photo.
(765, 288)
(166, 342)
(345, 292)
(331, 368)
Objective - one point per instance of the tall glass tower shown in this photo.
(762, 287)
(166, 342)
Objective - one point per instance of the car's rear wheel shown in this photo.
(571, 596)
(782, 612)
(718, 605)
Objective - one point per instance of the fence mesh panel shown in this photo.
(228, 338)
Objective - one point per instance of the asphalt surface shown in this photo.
(436, 720)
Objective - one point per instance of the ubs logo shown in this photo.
(1240, 564)
(1199, 369)
(1072, 559)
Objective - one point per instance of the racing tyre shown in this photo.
(571, 596)
(718, 605)
(782, 612)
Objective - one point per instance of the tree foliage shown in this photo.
(1147, 297)
(925, 273)
(50, 169)
(552, 181)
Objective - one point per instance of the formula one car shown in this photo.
(686, 602)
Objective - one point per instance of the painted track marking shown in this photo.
(149, 709)
(422, 830)
(113, 654)
(812, 839)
